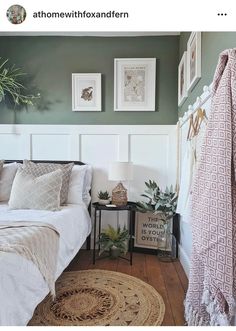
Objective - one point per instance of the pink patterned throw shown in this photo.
(210, 299)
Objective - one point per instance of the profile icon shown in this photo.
(16, 14)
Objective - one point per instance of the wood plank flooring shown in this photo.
(168, 278)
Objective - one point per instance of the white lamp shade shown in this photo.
(121, 171)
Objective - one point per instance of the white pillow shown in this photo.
(6, 179)
(31, 192)
(87, 184)
(80, 184)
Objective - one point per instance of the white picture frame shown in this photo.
(193, 59)
(86, 92)
(134, 84)
(182, 80)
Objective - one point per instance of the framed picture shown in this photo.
(86, 92)
(182, 80)
(151, 233)
(134, 84)
(193, 59)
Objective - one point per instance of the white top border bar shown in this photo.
(152, 15)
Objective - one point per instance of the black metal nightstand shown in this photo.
(131, 208)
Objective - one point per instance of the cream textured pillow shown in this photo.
(39, 169)
(30, 192)
(7, 176)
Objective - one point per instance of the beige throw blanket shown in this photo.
(35, 241)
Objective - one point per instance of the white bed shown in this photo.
(22, 286)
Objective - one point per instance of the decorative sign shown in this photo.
(151, 231)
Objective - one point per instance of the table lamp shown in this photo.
(120, 171)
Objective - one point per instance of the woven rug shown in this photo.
(99, 297)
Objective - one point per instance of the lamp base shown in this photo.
(119, 195)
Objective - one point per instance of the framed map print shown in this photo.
(134, 84)
(86, 92)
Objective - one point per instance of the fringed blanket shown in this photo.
(212, 281)
(35, 241)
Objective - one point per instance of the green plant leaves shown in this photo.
(11, 86)
(158, 201)
(103, 195)
(113, 237)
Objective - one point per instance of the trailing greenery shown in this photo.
(103, 195)
(112, 237)
(11, 86)
(158, 201)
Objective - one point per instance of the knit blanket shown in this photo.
(35, 241)
(212, 282)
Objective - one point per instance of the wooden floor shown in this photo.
(168, 278)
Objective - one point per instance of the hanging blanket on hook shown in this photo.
(212, 289)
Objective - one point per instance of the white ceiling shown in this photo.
(93, 34)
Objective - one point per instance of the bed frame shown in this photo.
(88, 240)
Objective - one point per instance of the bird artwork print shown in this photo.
(87, 93)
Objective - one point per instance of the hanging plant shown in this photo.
(12, 88)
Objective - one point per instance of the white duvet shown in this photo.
(22, 286)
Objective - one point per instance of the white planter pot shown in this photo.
(103, 202)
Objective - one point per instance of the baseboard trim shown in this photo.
(184, 260)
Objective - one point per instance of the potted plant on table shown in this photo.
(103, 198)
(114, 241)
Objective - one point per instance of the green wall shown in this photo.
(212, 44)
(51, 60)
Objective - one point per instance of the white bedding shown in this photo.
(22, 286)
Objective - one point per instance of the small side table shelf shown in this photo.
(131, 208)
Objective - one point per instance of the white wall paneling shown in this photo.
(100, 150)
(50, 146)
(16, 140)
(149, 162)
(152, 149)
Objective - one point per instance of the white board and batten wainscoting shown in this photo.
(151, 148)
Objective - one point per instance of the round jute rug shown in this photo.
(100, 297)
